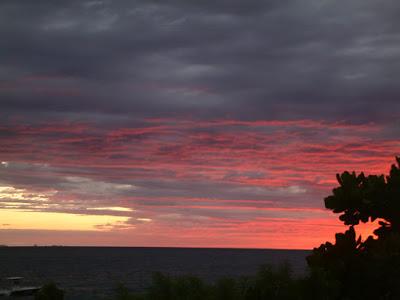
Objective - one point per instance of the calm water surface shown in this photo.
(89, 273)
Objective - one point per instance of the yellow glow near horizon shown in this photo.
(144, 219)
(111, 208)
(21, 219)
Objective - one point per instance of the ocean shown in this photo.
(93, 272)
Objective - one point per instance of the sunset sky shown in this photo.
(191, 123)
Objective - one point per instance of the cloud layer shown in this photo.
(198, 124)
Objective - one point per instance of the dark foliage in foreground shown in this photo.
(269, 283)
(367, 269)
(350, 269)
(50, 292)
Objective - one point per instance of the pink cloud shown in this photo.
(217, 178)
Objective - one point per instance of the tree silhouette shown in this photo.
(367, 269)
(50, 291)
(349, 269)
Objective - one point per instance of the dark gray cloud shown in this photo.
(240, 59)
(192, 119)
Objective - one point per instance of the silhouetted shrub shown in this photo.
(269, 283)
(364, 269)
(349, 269)
(272, 283)
(123, 293)
(50, 291)
(177, 288)
(227, 288)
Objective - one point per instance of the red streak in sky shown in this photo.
(220, 183)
